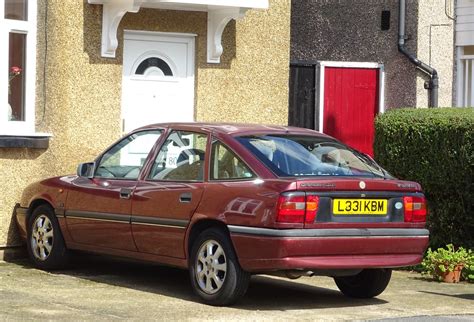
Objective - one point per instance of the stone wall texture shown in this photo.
(436, 48)
(79, 103)
(336, 30)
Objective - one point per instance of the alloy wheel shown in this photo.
(42, 237)
(211, 267)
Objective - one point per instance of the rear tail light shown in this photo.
(415, 209)
(291, 208)
(297, 208)
(312, 203)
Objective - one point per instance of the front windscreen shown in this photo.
(306, 156)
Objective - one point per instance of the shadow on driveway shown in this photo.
(459, 296)
(264, 293)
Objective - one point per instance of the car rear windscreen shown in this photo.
(305, 156)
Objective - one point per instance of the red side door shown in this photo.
(350, 105)
(98, 210)
(165, 200)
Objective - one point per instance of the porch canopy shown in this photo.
(220, 12)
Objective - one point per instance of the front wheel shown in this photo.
(367, 284)
(45, 242)
(216, 275)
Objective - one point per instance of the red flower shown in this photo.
(15, 70)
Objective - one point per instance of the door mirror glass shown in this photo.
(86, 170)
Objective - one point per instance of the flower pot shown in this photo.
(451, 276)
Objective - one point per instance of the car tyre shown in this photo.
(45, 242)
(216, 275)
(367, 284)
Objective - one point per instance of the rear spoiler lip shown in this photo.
(359, 184)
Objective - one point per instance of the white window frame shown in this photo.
(345, 64)
(462, 77)
(26, 127)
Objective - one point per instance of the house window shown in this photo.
(17, 60)
(465, 76)
(16, 9)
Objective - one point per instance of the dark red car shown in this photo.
(226, 201)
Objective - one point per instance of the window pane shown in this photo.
(308, 156)
(127, 157)
(181, 158)
(226, 165)
(16, 9)
(16, 77)
(154, 66)
(468, 50)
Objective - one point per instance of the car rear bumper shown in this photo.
(260, 249)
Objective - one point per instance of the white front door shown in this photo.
(157, 78)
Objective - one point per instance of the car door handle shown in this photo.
(185, 197)
(125, 193)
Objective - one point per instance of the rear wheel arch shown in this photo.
(201, 225)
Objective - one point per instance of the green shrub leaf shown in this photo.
(434, 147)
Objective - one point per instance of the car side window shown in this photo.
(181, 157)
(225, 165)
(126, 158)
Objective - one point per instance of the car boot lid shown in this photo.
(356, 184)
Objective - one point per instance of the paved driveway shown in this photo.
(105, 289)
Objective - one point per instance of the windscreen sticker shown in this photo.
(172, 156)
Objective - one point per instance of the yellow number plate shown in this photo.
(359, 207)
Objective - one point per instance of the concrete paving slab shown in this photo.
(97, 288)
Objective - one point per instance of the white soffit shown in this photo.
(219, 13)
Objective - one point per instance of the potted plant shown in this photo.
(446, 264)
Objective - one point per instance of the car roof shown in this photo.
(235, 129)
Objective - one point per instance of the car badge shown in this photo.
(362, 185)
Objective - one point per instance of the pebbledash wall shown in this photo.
(78, 93)
(334, 30)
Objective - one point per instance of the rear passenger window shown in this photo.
(225, 165)
(181, 158)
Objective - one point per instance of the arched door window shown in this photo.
(154, 66)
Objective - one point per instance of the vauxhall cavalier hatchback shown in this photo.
(227, 201)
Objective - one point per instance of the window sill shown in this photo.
(34, 141)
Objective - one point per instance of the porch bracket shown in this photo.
(217, 20)
(219, 13)
(112, 14)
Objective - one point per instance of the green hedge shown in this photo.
(434, 147)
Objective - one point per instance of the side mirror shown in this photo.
(86, 170)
